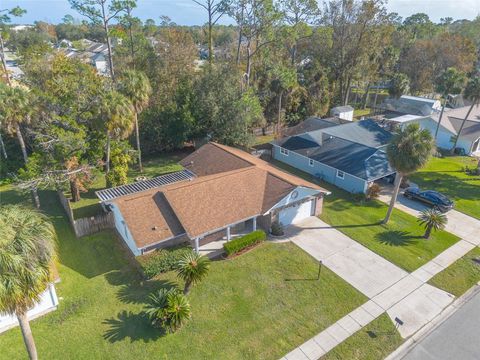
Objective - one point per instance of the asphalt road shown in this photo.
(457, 338)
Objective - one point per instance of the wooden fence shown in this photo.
(88, 225)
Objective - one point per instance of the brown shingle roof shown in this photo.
(232, 186)
(149, 217)
(210, 159)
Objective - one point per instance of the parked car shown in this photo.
(430, 197)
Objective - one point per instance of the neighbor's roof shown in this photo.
(452, 120)
(356, 159)
(413, 105)
(406, 118)
(345, 108)
(365, 132)
(312, 124)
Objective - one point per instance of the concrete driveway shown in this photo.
(362, 268)
(464, 226)
(392, 289)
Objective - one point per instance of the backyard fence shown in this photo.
(88, 225)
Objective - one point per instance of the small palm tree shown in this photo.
(118, 115)
(192, 268)
(27, 251)
(15, 110)
(432, 219)
(169, 309)
(472, 93)
(136, 87)
(409, 150)
(450, 81)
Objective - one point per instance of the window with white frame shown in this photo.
(310, 162)
(283, 151)
(340, 174)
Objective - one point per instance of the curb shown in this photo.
(408, 345)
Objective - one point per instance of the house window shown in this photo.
(340, 174)
(310, 162)
(284, 151)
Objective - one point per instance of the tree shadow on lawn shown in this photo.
(397, 238)
(133, 288)
(135, 327)
(465, 188)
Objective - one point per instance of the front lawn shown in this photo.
(400, 241)
(461, 275)
(261, 304)
(447, 175)
(374, 342)
(89, 205)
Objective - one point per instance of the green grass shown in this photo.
(400, 241)
(374, 342)
(461, 275)
(447, 175)
(263, 139)
(261, 304)
(358, 113)
(89, 205)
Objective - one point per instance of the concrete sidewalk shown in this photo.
(391, 289)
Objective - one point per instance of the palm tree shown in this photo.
(27, 251)
(136, 87)
(472, 93)
(432, 219)
(192, 268)
(118, 116)
(450, 81)
(168, 308)
(408, 151)
(16, 109)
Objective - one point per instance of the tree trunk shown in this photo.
(4, 62)
(398, 181)
(27, 336)
(210, 37)
(375, 101)
(461, 127)
(347, 93)
(279, 120)
(74, 190)
(4, 151)
(239, 45)
(22, 143)
(187, 288)
(109, 43)
(107, 160)
(428, 231)
(137, 135)
(440, 119)
(132, 50)
(365, 96)
(294, 54)
(249, 64)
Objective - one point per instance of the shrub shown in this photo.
(162, 260)
(276, 229)
(373, 191)
(241, 243)
(168, 309)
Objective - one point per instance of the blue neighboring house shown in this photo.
(351, 156)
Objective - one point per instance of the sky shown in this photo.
(186, 12)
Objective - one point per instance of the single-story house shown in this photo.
(450, 124)
(343, 112)
(412, 105)
(350, 156)
(221, 191)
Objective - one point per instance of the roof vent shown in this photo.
(154, 228)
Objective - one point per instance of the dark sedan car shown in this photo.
(430, 197)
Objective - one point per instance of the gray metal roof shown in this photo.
(365, 132)
(312, 124)
(356, 159)
(122, 190)
(344, 108)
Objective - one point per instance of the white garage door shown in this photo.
(294, 214)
